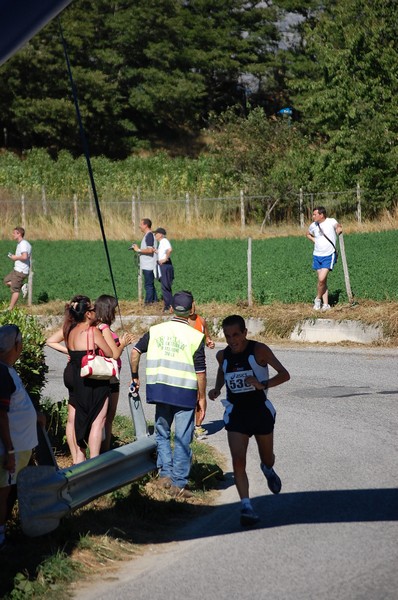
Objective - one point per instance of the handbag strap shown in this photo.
(88, 341)
(324, 235)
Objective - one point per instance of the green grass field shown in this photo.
(215, 270)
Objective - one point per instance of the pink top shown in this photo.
(103, 326)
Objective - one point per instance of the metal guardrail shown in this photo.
(47, 493)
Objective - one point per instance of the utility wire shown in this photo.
(89, 168)
(86, 154)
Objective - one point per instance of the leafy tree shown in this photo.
(264, 154)
(146, 69)
(348, 97)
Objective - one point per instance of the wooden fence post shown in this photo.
(345, 268)
(301, 209)
(139, 281)
(30, 282)
(359, 210)
(242, 211)
(133, 214)
(44, 200)
(249, 272)
(187, 208)
(90, 200)
(23, 216)
(75, 217)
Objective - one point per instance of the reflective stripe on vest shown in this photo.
(170, 355)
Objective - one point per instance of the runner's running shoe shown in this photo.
(248, 517)
(274, 482)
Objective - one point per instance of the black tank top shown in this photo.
(236, 368)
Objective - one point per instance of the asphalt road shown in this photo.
(333, 530)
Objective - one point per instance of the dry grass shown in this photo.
(120, 227)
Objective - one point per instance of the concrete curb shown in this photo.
(331, 331)
(308, 330)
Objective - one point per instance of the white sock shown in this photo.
(245, 503)
(267, 472)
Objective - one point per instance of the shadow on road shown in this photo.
(335, 506)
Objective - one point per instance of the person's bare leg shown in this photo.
(265, 444)
(80, 455)
(238, 443)
(322, 290)
(106, 444)
(14, 300)
(95, 437)
(70, 433)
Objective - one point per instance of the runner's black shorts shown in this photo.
(259, 419)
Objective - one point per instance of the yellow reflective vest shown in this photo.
(170, 371)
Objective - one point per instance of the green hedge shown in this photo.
(31, 365)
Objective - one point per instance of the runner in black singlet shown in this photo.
(243, 367)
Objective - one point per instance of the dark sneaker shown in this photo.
(274, 482)
(177, 492)
(248, 517)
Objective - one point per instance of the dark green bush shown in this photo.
(31, 365)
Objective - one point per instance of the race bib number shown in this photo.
(236, 382)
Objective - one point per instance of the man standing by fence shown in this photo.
(15, 279)
(147, 260)
(323, 232)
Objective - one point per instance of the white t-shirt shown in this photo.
(322, 246)
(164, 245)
(23, 265)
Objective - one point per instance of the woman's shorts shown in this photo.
(259, 419)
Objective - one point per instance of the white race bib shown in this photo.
(236, 381)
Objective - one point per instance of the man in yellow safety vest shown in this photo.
(175, 382)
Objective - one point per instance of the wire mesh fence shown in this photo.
(243, 209)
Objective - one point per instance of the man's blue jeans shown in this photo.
(150, 290)
(177, 464)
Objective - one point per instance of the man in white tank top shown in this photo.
(16, 278)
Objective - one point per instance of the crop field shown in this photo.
(214, 270)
